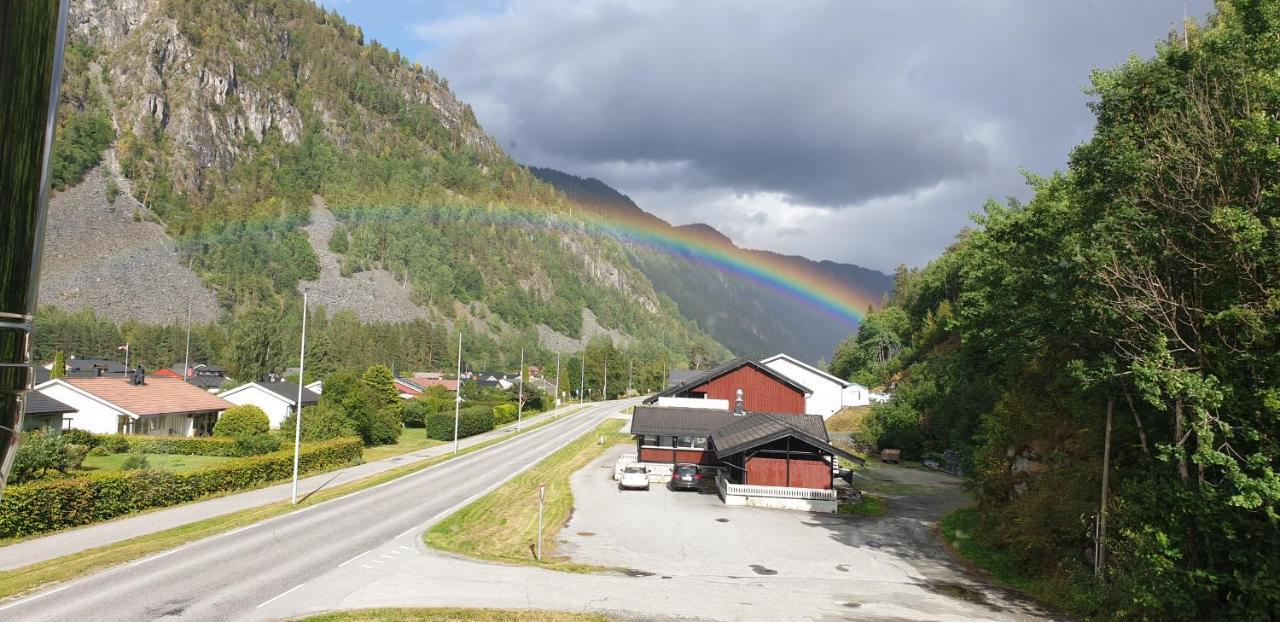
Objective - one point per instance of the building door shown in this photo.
(124, 424)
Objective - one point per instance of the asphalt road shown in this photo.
(233, 575)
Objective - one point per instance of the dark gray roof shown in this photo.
(757, 429)
(41, 404)
(666, 420)
(720, 370)
(289, 390)
(81, 365)
(679, 376)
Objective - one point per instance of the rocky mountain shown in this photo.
(278, 149)
(740, 313)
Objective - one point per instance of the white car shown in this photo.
(634, 477)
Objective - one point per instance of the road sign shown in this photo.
(542, 493)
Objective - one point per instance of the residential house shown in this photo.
(449, 385)
(85, 367)
(203, 375)
(427, 375)
(407, 389)
(763, 459)
(136, 404)
(829, 393)
(42, 412)
(316, 387)
(760, 388)
(276, 398)
(679, 376)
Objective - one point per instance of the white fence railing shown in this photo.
(777, 492)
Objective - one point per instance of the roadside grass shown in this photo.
(163, 462)
(411, 439)
(48, 573)
(848, 419)
(454, 615)
(868, 505)
(503, 525)
(962, 533)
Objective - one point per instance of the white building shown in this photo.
(158, 406)
(277, 399)
(830, 393)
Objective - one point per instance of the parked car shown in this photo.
(686, 477)
(634, 477)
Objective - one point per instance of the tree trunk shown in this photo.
(1137, 420)
(1178, 441)
(1102, 511)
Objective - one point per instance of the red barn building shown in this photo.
(762, 389)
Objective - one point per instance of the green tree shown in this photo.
(59, 368)
(241, 421)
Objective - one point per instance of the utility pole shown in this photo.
(186, 358)
(630, 368)
(582, 376)
(457, 399)
(1101, 557)
(604, 393)
(520, 395)
(557, 396)
(297, 419)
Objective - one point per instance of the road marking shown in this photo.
(41, 595)
(281, 595)
(408, 531)
(410, 549)
(355, 558)
(155, 557)
(366, 567)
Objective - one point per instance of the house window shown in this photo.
(650, 440)
(692, 442)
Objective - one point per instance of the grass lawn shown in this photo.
(47, 573)
(411, 439)
(960, 529)
(503, 525)
(165, 462)
(454, 615)
(849, 419)
(868, 505)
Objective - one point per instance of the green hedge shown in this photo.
(472, 420)
(187, 446)
(504, 414)
(58, 504)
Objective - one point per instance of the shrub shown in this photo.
(113, 191)
(504, 414)
(413, 413)
(319, 423)
(183, 445)
(257, 444)
(76, 455)
(58, 504)
(39, 454)
(471, 421)
(99, 451)
(81, 437)
(243, 420)
(116, 444)
(135, 462)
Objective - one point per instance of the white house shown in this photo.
(157, 406)
(277, 399)
(316, 387)
(830, 393)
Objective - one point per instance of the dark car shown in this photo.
(686, 477)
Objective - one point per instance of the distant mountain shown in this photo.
(740, 313)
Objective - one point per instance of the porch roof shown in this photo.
(761, 428)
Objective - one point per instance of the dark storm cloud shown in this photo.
(911, 112)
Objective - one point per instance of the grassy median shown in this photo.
(433, 614)
(503, 525)
(48, 573)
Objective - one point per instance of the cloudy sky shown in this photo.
(863, 132)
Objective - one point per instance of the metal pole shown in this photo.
(31, 44)
(126, 354)
(297, 419)
(520, 395)
(186, 358)
(630, 368)
(604, 393)
(542, 495)
(457, 399)
(557, 395)
(582, 376)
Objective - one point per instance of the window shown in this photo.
(692, 442)
(649, 439)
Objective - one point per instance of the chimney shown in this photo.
(97, 371)
(737, 407)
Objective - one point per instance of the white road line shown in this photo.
(355, 558)
(366, 567)
(407, 532)
(407, 548)
(41, 595)
(155, 557)
(281, 595)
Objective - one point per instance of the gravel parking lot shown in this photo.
(884, 563)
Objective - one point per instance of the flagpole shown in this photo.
(186, 358)
(126, 354)
(297, 420)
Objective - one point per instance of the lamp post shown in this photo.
(297, 420)
(457, 400)
(520, 394)
(582, 375)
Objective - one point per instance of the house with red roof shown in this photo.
(136, 404)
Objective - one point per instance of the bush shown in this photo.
(39, 454)
(257, 444)
(81, 437)
(413, 413)
(504, 414)
(58, 504)
(116, 444)
(76, 455)
(135, 462)
(471, 421)
(319, 423)
(99, 451)
(243, 420)
(183, 445)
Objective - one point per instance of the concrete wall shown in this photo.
(806, 505)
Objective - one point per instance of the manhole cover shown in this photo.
(758, 569)
(586, 533)
(852, 605)
(722, 520)
(842, 568)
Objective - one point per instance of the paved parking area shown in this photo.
(887, 563)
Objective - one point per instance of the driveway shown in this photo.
(891, 566)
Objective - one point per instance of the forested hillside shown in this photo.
(743, 315)
(228, 121)
(1137, 293)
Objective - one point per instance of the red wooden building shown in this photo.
(761, 389)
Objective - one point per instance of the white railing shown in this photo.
(777, 492)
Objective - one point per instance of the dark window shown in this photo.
(649, 439)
